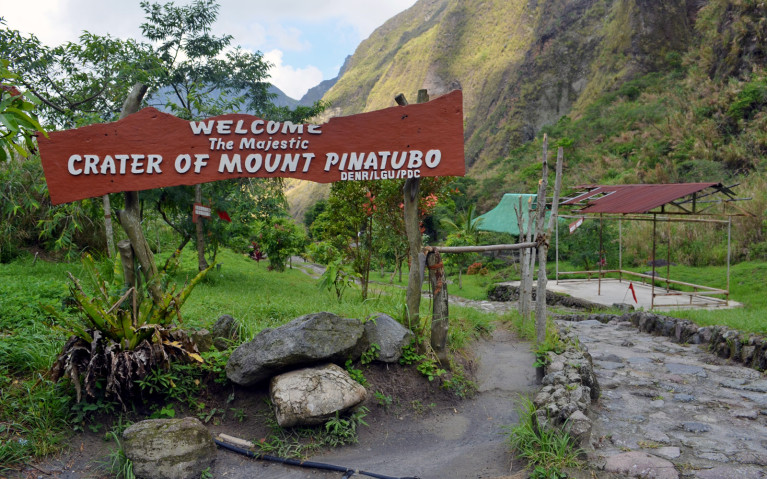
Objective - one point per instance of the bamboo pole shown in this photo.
(540, 239)
(524, 265)
(481, 249)
(440, 304)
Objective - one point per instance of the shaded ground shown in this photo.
(426, 432)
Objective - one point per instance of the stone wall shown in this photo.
(746, 348)
(510, 292)
(569, 388)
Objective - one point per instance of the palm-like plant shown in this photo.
(464, 232)
(121, 335)
(466, 225)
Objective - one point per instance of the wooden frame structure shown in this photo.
(665, 203)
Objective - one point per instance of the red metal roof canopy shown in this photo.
(624, 199)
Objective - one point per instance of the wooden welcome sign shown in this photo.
(152, 149)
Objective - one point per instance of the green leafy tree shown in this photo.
(78, 83)
(201, 75)
(280, 238)
(18, 124)
(347, 223)
(458, 262)
(464, 232)
(365, 218)
(70, 85)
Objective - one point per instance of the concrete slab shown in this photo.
(611, 291)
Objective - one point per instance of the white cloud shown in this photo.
(293, 81)
(288, 38)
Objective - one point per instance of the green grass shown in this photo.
(747, 286)
(547, 451)
(36, 415)
(473, 286)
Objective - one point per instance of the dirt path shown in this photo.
(462, 440)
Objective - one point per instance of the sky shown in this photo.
(306, 40)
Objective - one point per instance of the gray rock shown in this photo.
(169, 448)
(745, 413)
(318, 337)
(578, 425)
(757, 386)
(639, 360)
(696, 427)
(203, 339)
(714, 456)
(641, 464)
(224, 332)
(313, 395)
(389, 335)
(684, 398)
(675, 368)
(731, 472)
(668, 452)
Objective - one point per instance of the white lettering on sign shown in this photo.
(201, 210)
(95, 165)
(380, 160)
(379, 175)
(257, 127)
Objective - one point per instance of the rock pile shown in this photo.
(569, 388)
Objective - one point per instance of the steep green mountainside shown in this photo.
(636, 90)
(521, 64)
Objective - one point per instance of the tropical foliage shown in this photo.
(120, 336)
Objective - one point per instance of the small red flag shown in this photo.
(224, 216)
(633, 293)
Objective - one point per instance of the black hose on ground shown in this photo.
(308, 464)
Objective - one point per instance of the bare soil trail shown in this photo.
(427, 433)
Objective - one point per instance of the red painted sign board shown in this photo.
(151, 149)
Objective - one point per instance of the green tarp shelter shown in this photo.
(503, 218)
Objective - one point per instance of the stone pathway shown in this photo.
(666, 404)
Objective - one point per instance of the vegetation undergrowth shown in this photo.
(36, 415)
(547, 451)
(299, 442)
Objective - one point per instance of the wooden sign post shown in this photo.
(152, 149)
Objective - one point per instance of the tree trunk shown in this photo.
(130, 216)
(440, 314)
(130, 219)
(411, 193)
(202, 264)
(526, 290)
(108, 231)
(126, 258)
(523, 305)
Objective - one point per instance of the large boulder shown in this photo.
(313, 395)
(317, 337)
(389, 335)
(169, 448)
(224, 332)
